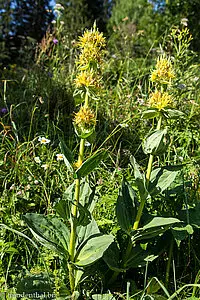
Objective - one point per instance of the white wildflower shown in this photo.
(43, 140)
(184, 21)
(45, 166)
(87, 144)
(37, 160)
(59, 156)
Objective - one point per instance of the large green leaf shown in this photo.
(87, 196)
(63, 206)
(67, 154)
(112, 258)
(162, 178)
(93, 250)
(157, 226)
(173, 113)
(84, 232)
(91, 163)
(161, 221)
(140, 180)
(49, 231)
(150, 113)
(156, 142)
(78, 274)
(138, 258)
(126, 207)
(86, 205)
(84, 216)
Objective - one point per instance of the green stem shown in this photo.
(148, 175)
(113, 278)
(116, 273)
(195, 282)
(140, 209)
(74, 213)
(169, 264)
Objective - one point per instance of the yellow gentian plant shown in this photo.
(72, 232)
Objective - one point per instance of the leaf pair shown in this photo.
(88, 165)
(85, 206)
(169, 113)
(52, 233)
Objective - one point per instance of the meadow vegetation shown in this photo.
(99, 165)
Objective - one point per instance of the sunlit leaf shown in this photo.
(91, 163)
(156, 142)
(93, 249)
(126, 207)
(162, 178)
(49, 231)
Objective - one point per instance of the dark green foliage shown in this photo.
(126, 207)
(132, 27)
(189, 9)
(36, 285)
(23, 23)
(5, 28)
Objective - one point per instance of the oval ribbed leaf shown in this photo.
(126, 207)
(93, 250)
(162, 178)
(150, 114)
(173, 113)
(156, 143)
(155, 227)
(91, 163)
(49, 231)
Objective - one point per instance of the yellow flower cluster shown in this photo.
(84, 118)
(164, 72)
(87, 78)
(160, 100)
(91, 46)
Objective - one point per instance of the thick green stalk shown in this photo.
(148, 175)
(140, 209)
(74, 213)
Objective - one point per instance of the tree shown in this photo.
(132, 27)
(32, 17)
(79, 14)
(188, 9)
(22, 21)
(5, 28)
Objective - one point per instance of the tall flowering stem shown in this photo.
(74, 211)
(159, 99)
(148, 176)
(87, 79)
